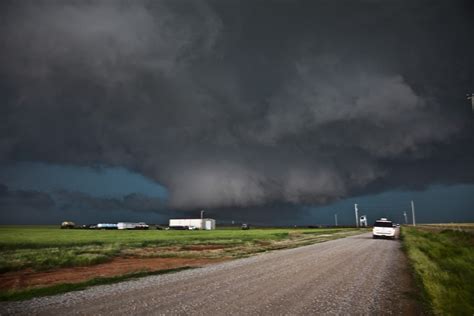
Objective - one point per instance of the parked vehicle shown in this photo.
(142, 226)
(88, 226)
(383, 228)
(245, 226)
(67, 225)
(178, 228)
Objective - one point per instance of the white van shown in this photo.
(383, 228)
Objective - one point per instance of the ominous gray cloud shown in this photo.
(25, 206)
(24, 201)
(134, 202)
(234, 104)
(29, 206)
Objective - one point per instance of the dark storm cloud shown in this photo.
(15, 200)
(235, 105)
(24, 201)
(134, 202)
(30, 206)
(270, 213)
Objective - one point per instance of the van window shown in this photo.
(383, 224)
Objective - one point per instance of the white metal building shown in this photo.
(205, 223)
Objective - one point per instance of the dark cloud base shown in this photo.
(35, 207)
(285, 103)
(31, 206)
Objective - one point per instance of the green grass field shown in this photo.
(41, 248)
(443, 263)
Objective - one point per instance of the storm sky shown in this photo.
(265, 111)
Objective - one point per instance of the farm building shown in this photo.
(205, 223)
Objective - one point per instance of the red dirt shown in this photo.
(204, 247)
(28, 278)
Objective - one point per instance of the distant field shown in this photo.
(34, 249)
(17, 238)
(467, 227)
(42, 248)
(443, 262)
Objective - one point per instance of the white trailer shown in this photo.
(205, 223)
(107, 226)
(125, 225)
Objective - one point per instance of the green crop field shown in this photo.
(41, 248)
(443, 263)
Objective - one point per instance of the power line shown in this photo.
(385, 206)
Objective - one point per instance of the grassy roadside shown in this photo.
(443, 263)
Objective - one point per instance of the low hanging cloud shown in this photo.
(134, 202)
(219, 113)
(29, 206)
(24, 201)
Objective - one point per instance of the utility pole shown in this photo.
(202, 220)
(335, 218)
(413, 212)
(405, 215)
(356, 215)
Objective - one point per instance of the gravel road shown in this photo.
(353, 275)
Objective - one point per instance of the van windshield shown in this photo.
(383, 224)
